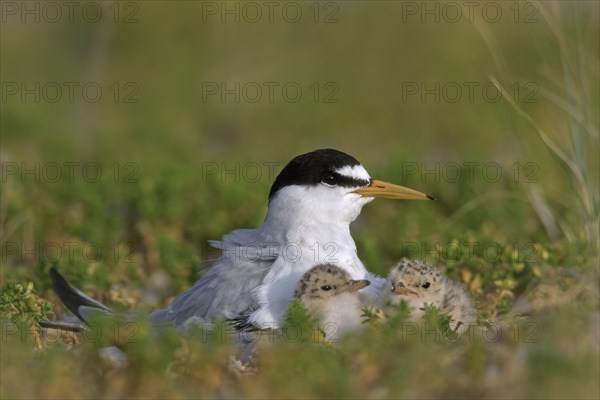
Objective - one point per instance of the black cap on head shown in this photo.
(316, 167)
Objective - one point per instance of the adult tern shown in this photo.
(312, 202)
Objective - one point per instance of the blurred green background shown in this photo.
(405, 87)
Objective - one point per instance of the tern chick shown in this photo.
(331, 294)
(419, 283)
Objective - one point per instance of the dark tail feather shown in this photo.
(71, 297)
(62, 326)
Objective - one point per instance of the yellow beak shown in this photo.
(391, 191)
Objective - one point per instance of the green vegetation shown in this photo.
(122, 192)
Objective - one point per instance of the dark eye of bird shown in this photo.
(326, 288)
(426, 285)
(330, 178)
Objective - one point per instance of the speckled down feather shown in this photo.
(421, 283)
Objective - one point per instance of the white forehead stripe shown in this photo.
(354, 172)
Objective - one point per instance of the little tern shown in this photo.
(330, 293)
(419, 283)
(312, 202)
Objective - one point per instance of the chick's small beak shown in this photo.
(390, 191)
(357, 285)
(399, 289)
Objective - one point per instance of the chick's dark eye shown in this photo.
(326, 288)
(426, 285)
(330, 178)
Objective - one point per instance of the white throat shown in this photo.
(306, 205)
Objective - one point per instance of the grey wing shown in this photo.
(225, 291)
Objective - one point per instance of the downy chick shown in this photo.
(332, 295)
(419, 283)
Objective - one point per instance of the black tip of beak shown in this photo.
(430, 197)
